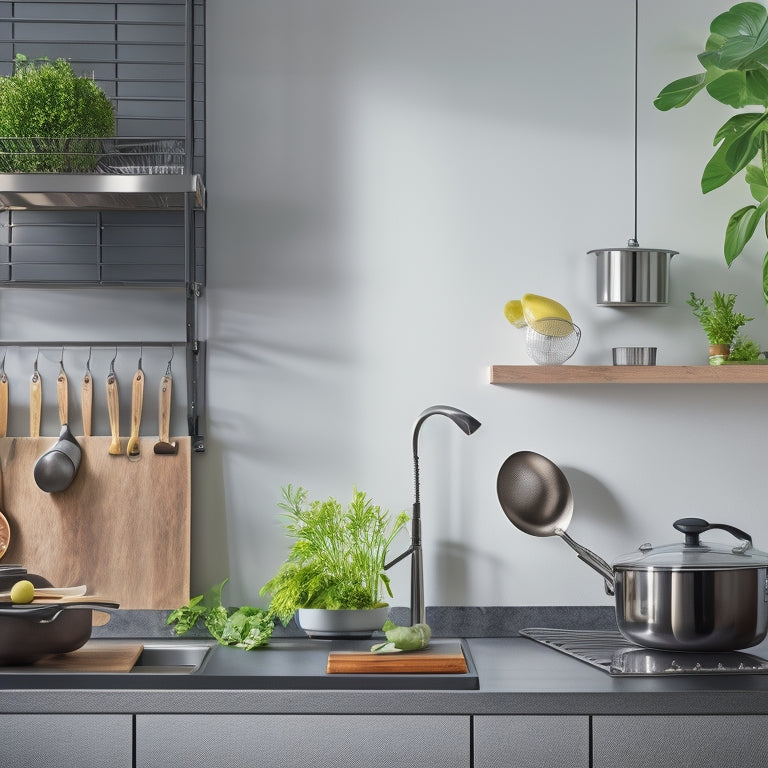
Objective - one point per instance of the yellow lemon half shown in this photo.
(538, 307)
(546, 316)
(513, 311)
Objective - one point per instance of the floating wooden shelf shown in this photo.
(629, 374)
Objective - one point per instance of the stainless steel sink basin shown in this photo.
(171, 658)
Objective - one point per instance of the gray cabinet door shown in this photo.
(507, 741)
(85, 741)
(695, 741)
(294, 741)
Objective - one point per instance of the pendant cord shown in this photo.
(633, 241)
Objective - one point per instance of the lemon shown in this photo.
(546, 316)
(22, 592)
(513, 311)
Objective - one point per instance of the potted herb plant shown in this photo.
(49, 117)
(735, 62)
(719, 321)
(334, 575)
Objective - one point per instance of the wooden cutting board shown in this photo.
(122, 527)
(94, 656)
(438, 657)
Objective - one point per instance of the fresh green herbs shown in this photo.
(337, 559)
(744, 350)
(245, 627)
(51, 115)
(717, 318)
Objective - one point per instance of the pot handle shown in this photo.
(692, 527)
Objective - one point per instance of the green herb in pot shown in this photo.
(337, 559)
(44, 100)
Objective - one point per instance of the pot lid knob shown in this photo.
(693, 527)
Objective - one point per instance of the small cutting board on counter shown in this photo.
(94, 656)
(439, 657)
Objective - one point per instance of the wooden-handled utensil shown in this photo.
(35, 402)
(133, 451)
(62, 395)
(164, 444)
(86, 398)
(113, 409)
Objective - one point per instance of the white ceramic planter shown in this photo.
(328, 624)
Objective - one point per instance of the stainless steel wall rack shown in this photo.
(149, 58)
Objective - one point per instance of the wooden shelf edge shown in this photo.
(628, 374)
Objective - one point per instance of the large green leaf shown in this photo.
(745, 29)
(738, 88)
(765, 278)
(758, 183)
(679, 92)
(741, 227)
(739, 140)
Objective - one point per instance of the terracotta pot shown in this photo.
(718, 353)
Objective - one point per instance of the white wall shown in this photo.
(382, 178)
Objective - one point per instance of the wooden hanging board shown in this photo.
(438, 657)
(122, 528)
(94, 656)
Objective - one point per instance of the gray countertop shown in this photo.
(514, 676)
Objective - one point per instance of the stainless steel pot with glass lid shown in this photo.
(693, 595)
(688, 596)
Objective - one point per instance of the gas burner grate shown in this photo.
(614, 654)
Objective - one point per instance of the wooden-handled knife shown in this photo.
(3, 404)
(164, 444)
(113, 408)
(62, 395)
(35, 402)
(86, 402)
(133, 450)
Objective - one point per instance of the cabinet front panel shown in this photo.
(295, 741)
(85, 741)
(506, 741)
(684, 741)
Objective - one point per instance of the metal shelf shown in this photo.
(37, 191)
(628, 374)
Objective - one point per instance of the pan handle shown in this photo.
(43, 614)
(591, 559)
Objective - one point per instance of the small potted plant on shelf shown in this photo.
(50, 118)
(719, 321)
(333, 577)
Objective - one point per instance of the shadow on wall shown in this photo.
(456, 567)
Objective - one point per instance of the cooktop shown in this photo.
(611, 652)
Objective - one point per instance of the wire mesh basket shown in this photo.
(78, 154)
(551, 340)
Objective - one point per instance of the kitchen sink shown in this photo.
(169, 658)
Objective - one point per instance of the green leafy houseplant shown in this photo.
(744, 350)
(735, 61)
(718, 320)
(338, 555)
(49, 116)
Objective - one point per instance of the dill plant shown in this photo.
(49, 117)
(338, 555)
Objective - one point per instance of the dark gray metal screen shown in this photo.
(149, 58)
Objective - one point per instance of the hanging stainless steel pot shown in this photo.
(695, 595)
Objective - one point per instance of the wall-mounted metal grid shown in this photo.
(149, 58)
